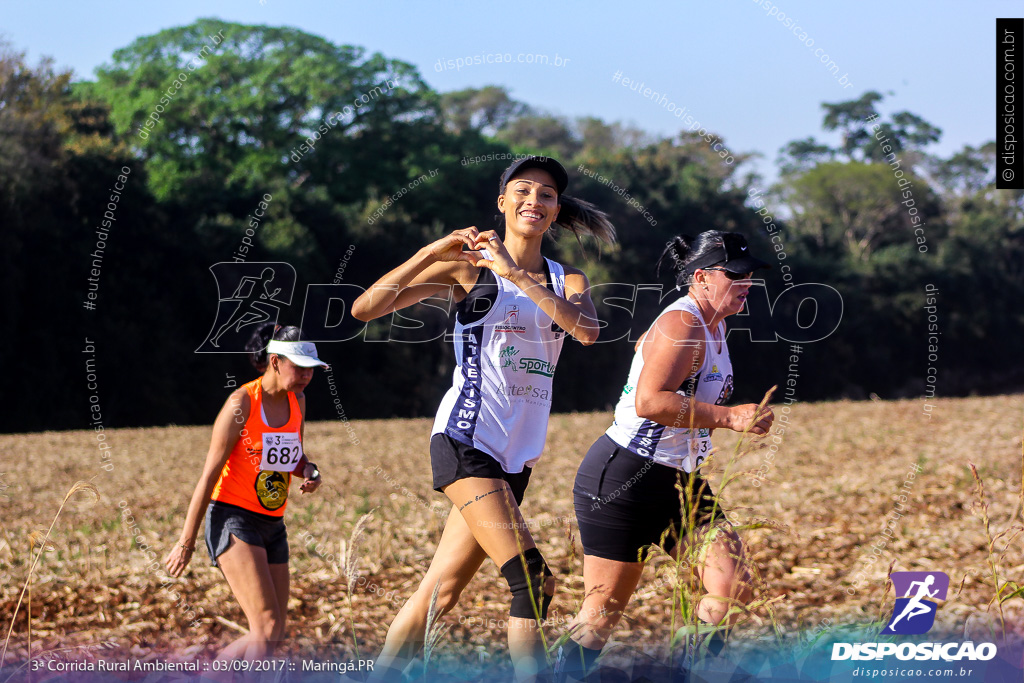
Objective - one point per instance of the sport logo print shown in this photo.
(914, 612)
(511, 321)
(258, 291)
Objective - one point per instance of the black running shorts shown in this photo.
(625, 503)
(453, 460)
(224, 521)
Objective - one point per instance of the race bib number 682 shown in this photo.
(281, 451)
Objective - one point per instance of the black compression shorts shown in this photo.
(625, 503)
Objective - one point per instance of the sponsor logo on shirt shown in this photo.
(510, 323)
(507, 355)
(536, 366)
(272, 488)
(726, 392)
(527, 392)
(714, 375)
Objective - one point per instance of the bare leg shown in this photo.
(250, 578)
(456, 561)
(608, 585)
(498, 526)
(281, 578)
(725, 578)
(486, 522)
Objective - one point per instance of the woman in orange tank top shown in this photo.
(243, 491)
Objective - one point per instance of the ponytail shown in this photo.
(257, 345)
(580, 217)
(685, 250)
(676, 252)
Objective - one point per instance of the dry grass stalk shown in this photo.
(231, 624)
(348, 556)
(992, 557)
(434, 633)
(982, 505)
(350, 568)
(79, 486)
(686, 596)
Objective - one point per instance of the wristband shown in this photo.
(191, 550)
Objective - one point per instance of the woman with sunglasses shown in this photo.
(625, 495)
(513, 305)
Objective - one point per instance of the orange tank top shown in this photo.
(258, 471)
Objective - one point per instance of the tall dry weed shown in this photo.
(1003, 589)
(686, 629)
(348, 566)
(44, 543)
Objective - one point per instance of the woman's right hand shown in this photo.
(449, 247)
(178, 559)
(741, 417)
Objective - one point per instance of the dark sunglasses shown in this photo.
(731, 275)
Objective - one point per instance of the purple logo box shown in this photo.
(934, 580)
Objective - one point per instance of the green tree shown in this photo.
(33, 120)
(864, 133)
(542, 134)
(855, 208)
(487, 110)
(233, 131)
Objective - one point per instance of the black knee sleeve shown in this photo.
(527, 585)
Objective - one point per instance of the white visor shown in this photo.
(300, 353)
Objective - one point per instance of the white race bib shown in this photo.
(700, 448)
(281, 451)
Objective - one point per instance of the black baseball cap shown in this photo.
(733, 256)
(548, 164)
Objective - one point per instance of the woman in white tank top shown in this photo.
(625, 495)
(513, 308)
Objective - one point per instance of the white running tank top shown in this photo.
(506, 348)
(712, 383)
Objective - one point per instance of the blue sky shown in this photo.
(735, 67)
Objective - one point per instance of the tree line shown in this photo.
(198, 125)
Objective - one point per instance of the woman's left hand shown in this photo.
(501, 262)
(312, 476)
(178, 559)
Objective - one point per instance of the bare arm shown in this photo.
(673, 352)
(434, 268)
(226, 431)
(575, 313)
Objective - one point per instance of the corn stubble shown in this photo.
(807, 530)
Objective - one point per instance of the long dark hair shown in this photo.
(257, 345)
(580, 217)
(683, 250)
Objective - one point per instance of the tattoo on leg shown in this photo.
(482, 495)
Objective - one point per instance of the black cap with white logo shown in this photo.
(733, 256)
